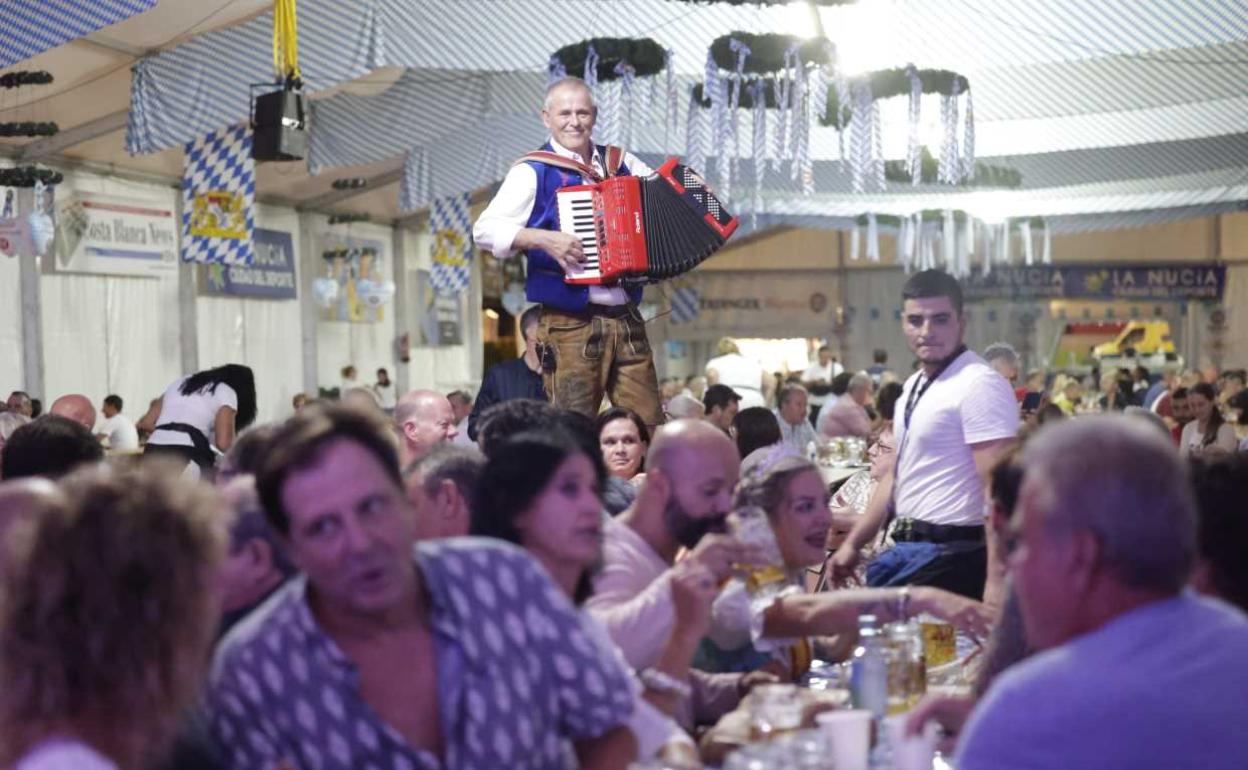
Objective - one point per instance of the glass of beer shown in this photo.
(939, 641)
(751, 526)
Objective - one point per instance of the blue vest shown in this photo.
(545, 282)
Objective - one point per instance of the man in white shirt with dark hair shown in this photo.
(954, 418)
(117, 429)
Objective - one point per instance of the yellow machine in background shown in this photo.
(1143, 343)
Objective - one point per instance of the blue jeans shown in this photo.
(960, 567)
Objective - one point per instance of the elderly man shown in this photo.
(256, 565)
(847, 415)
(682, 407)
(594, 336)
(442, 488)
(422, 418)
(76, 407)
(386, 653)
(19, 401)
(1003, 358)
(461, 407)
(1133, 671)
(795, 427)
(957, 415)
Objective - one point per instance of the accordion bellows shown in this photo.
(637, 230)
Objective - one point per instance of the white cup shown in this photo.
(914, 752)
(850, 733)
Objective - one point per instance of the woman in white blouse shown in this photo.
(1207, 434)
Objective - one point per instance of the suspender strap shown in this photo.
(614, 157)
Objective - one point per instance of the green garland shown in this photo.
(346, 219)
(26, 176)
(645, 55)
(746, 102)
(349, 183)
(25, 78)
(886, 84)
(985, 175)
(28, 128)
(766, 52)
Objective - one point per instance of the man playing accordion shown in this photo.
(592, 336)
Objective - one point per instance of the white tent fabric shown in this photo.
(11, 370)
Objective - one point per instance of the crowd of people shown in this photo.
(357, 586)
(425, 580)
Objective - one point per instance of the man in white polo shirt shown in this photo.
(954, 419)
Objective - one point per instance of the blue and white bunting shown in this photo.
(31, 27)
(684, 305)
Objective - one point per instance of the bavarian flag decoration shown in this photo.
(451, 228)
(219, 198)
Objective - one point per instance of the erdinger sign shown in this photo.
(774, 303)
(1161, 281)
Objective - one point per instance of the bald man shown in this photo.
(422, 418)
(76, 407)
(593, 336)
(633, 591)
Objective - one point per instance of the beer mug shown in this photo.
(750, 526)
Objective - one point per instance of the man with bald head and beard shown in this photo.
(691, 471)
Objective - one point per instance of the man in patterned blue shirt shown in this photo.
(385, 655)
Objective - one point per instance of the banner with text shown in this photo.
(778, 304)
(1180, 281)
(115, 236)
(271, 275)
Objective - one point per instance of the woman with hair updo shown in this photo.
(773, 625)
(544, 493)
(108, 615)
(199, 412)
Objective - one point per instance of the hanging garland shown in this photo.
(770, 93)
(886, 84)
(767, 52)
(28, 128)
(986, 175)
(28, 176)
(645, 56)
(769, 3)
(346, 219)
(927, 216)
(25, 78)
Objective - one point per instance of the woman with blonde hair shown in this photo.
(107, 616)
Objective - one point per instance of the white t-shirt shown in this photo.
(199, 410)
(385, 395)
(816, 371)
(122, 436)
(64, 754)
(1191, 440)
(936, 480)
(744, 375)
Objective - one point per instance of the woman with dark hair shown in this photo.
(1207, 434)
(755, 428)
(201, 411)
(543, 493)
(624, 438)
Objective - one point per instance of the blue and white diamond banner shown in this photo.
(684, 305)
(31, 27)
(219, 198)
(451, 229)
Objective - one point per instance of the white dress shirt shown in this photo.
(509, 212)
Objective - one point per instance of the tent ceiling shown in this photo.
(1087, 98)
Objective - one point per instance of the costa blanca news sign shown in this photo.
(116, 236)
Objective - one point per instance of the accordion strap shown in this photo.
(615, 156)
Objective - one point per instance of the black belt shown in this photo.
(608, 311)
(916, 531)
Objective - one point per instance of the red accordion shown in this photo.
(637, 230)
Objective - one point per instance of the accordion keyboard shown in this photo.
(576, 217)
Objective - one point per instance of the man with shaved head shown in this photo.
(76, 407)
(422, 418)
(691, 471)
(592, 337)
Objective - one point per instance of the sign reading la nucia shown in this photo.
(1161, 281)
